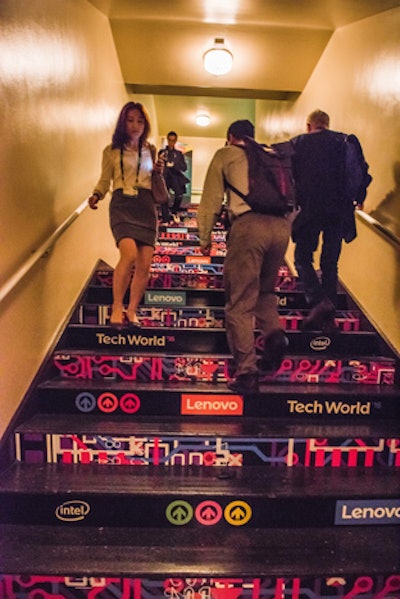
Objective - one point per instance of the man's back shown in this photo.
(318, 170)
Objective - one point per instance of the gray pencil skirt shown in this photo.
(134, 217)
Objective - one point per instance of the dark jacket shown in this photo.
(174, 177)
(331, 177)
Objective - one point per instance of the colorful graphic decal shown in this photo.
(184, 235)
(165, 249)
(363, 586)
(174, 313)
(215, 369)
(206, 450)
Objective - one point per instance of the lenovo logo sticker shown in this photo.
(204, 405)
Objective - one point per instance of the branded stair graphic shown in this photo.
(133, 472)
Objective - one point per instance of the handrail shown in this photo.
(40, 252)
(375, 224)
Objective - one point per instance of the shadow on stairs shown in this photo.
(133, 472)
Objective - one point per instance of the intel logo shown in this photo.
(320, 343)
(72, 511)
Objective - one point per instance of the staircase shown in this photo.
(133, 472)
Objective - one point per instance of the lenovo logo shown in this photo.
(203, 405)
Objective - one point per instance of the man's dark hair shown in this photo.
(172, 133)
(240, 129)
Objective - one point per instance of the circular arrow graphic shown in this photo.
(208, 513)
(179, 512)
(107, 402)
(130, 403)
(237, 513)
(85, 402)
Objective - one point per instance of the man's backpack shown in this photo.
(271, 184)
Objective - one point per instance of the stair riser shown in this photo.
(198, 317)
(189, 274)
(183, 450)
(331, 585)
(142, 402)
(198, 290)
(213, 369)
(202, 510)
(214, 341)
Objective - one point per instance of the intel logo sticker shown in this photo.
(367, 511)
(320, 343)
(72, 511)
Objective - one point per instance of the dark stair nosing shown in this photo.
(146, 553)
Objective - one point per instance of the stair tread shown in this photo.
(141, 552)
(333, 389)
(250, 482)
(202, 427)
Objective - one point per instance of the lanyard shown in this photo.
(121, 162)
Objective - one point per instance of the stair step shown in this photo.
(194, 316)
(195, 290)
(349, 402)
(117, 440)
(96, 495)
(188, 254)
(354, 344)
(312, 563)
(192, 368)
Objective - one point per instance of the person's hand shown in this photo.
(159, 165)
(205, 249)
(92, 201)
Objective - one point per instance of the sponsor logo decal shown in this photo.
(202, 405)
(329, 407)
(72, 511)
(198, 259)
(165, 298)
(320, 343)
(132, 339)
(368, 511)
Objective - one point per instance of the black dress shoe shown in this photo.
(244, 384)
(275, 345)
(320, 317)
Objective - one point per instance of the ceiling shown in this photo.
(276, 45)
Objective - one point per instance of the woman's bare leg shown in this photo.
(122, 275)
(140, 279)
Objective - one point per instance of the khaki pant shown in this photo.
(256, 248)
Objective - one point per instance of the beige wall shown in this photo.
(61, 90)
(357, 82)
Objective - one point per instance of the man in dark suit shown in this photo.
(175, 165)
(331, 178)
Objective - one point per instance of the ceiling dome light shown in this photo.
(202, 120)
(218, 60)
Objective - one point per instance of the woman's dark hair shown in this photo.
(120, 137)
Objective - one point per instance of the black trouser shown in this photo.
(307, 239)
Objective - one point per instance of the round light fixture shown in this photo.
(218, 60)
(202, 120)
